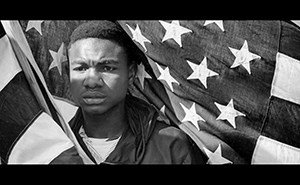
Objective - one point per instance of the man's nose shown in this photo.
(93, 79)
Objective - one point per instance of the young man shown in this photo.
(112, 126)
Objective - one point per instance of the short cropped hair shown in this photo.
(110, 30)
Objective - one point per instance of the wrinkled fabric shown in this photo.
(147, 140)
(250, 92)
(265, 115)
(18, 109)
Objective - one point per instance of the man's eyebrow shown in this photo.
(107, 61)
(78, 61)
(95, 62)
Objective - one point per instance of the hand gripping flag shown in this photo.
(32, 128)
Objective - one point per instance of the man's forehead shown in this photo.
(96, 51)
(96, 45)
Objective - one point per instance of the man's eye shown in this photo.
(81, 68)
(108, 68)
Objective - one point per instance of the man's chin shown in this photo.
(93, 109)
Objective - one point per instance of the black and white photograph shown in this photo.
(144, 92)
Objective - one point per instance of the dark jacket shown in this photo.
(147, 140)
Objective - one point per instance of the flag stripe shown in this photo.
(282, 122)
(67, 108)
(8, 62)
(286, 76)
(41, 143)
(18, 107)
(289, 40)
(270, 151)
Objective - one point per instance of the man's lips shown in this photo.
(93, 94)
(93, 97)
(93, 101)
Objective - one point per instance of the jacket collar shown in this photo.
(141, 117)
(141, 120)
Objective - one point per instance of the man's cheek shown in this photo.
(75, 87)
(114, 81)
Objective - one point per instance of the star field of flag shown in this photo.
(220, 78)
(230, 85)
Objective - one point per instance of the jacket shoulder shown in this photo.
(167, 145)
(172, 145)
(165, 131)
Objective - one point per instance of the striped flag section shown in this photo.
(248, 112)
(42, 142)
(28, 135)
(286, 78)
(66, 107)
(270, 151)
(25, 129)
(32, 130)
(8, 61)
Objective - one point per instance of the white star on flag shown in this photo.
(174, 31)
(191, 115)
(137, 36)
(58, 58)
(166, 76)
(218, 23)
(243, 57)
(142, 74)
(36, 25)
(201, 71)
(216, 156)
(228, 113)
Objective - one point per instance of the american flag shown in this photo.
(231, 85)
(33, 130)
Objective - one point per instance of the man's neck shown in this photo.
(110, 124)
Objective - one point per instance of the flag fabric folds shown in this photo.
(230, 85)
(32, 130)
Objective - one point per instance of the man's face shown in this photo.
(98, 73)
